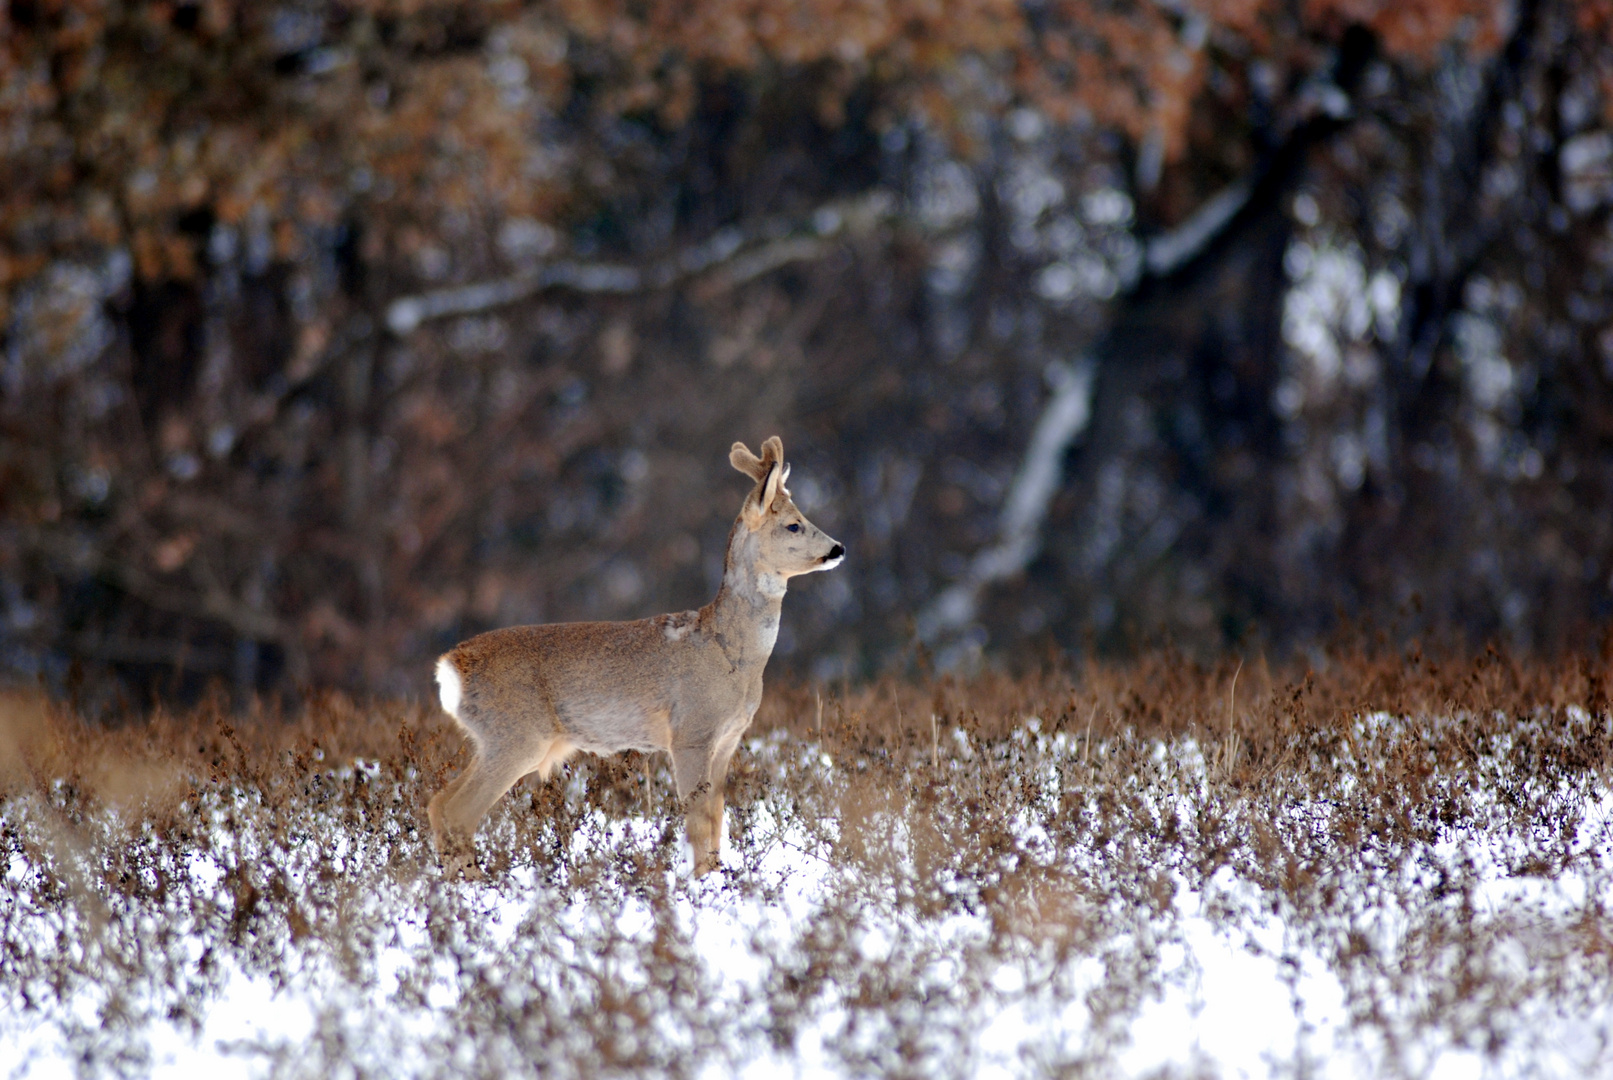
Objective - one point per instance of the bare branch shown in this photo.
(211, 601)
(404, 315)
(1169, 252)
(1326, 107)
(130, 650)
(1063, 419)
(770, 257)
(732, 256)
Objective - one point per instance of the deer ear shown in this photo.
(740, 457)
(775, 484)
(778, 492)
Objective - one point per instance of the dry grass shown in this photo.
(1433, 835)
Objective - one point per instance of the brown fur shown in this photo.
(686, 683)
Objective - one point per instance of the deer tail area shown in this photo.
(449, 687)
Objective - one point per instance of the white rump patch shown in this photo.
(449, 688)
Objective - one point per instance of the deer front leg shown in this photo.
(701, 794)
(719, 785)
(702, 774)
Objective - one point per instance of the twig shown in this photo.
(1226, 755)
(1232, 695)
(1086, 751)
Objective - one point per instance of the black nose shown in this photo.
(835, 552)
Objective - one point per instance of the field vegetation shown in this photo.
(1372, 863)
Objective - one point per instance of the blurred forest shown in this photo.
(331, 333)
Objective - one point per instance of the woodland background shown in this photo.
(331, 333)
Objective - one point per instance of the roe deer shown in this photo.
(687, 683)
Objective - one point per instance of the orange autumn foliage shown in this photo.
(124, 118)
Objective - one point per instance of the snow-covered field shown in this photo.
(1371, 894)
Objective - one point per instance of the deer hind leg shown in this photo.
(456, 810)
(558, 750)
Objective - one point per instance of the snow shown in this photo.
(1231, 981)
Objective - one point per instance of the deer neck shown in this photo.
(746, 612)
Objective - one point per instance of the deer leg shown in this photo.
(718, 778)
(457, 809)
(555, 753)
(445, 844)
(691, 767)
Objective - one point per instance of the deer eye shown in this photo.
(793, 527)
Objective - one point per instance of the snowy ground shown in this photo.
(1036, 904)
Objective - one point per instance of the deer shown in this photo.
(687, 683)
